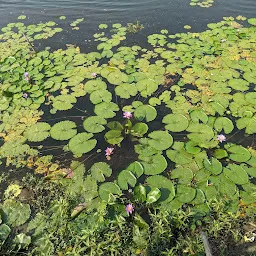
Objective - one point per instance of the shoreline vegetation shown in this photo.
(128, 150)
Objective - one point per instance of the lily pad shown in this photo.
(95, 85)
(126, 90)
(136, 168)
(153, 195)
(248, 123)
(238, 153)
(114, 137)
(185, 194)
(100, 170)
(37, 132)
(154, 164)
(94, 124)
(214, 166)
(223, 123)
(4, 233)
(82, 143)
(106, 109)
(184, 175)
(99, 96)
(165, 185)
(160, 140)
(199, 115)
(63, 102)
(146, 87)
(64, 130)
(146, 112)
(15, 213)
(108, 191)
(139, 129)
(117, 77)
(199, 198)
(236, 174)
(126, 178)
(175, 122)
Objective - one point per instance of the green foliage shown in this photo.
(63, 130)
(100, 170)
(37, 132)
(82, 143)
(216, 63)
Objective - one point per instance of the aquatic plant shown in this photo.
(178, 105)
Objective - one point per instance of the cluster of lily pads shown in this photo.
(180, 102)
(201, 3)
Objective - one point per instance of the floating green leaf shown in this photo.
(108, 191)
(100, 170)
(185, 194)
(140, 193)
(106, 109)
(63, 102)
(82, 143)
(99, 96)
(63, 130)
(175, 122)
(154, 164)
(95, 85)
(160, 140)
(214, 166)
(153, 195)
(4, 233)
(223, 123)
(136, 168)
(184, 175)
(236, 174)
(139, 129)
(125, 91)
(200, 197)
(238, 153)
(126, 178)
(165, 185)
(94, 124)
(146, 87)
(37, 132)
(15, 213)
(114, 137)
(117, 78)
(146, 112)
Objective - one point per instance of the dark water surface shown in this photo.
(154, 14)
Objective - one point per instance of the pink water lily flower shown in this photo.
(25, 95)
(129, 208)
(26, 76)
(94, 74)
(109, 151)
(127, 115)
(221, 138)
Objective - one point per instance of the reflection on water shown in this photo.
(156, 14)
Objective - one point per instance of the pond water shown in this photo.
(153, 14)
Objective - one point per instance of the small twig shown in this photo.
(31, 45)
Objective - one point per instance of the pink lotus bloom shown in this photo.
(26, 78)
(221, 138)
(94, 74)
(25, 95)
(129, 208)
(127, 115)
(69, 173)
(109, 151)
(26, 74)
